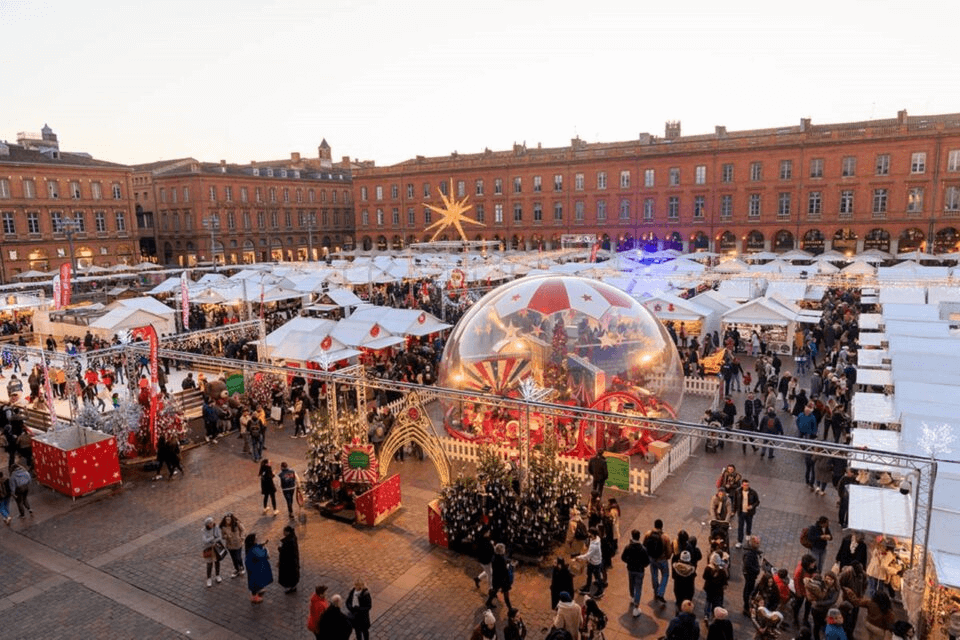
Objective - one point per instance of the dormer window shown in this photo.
(256, 171)
(283, 173)
(269, 172)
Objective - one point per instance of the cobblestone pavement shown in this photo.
(125, 563)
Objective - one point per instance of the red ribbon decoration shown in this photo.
(150, 334)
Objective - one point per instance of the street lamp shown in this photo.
(70, 226)
(212, 222)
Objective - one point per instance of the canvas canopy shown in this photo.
(881, 510)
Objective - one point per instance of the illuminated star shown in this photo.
(451, 215)
(606, 340)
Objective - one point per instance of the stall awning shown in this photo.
(878, 510)
(874, 407)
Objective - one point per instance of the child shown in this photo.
(115, 400)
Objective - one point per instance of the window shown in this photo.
(257, 193)
(379, 192)
(228, 194)
(915, 200)
(673, 208)
(53, 189)
(578, 182)
(649, 177)
(846, 202)
(816, 168)
(245, 194)
(558, 211)
(311, 195)
(96, 191)
(379, 217)
(81, 221)
(364, 194)
(601, 179)
(918, 162)
(478, 187)
(365, 217)
(29, 189)
(879, 201)
(232, 220)
(674, 176)
(786, 169)
(246, 219)
(480, 212)
(699, 207)
(814, 203)
(498, 213)
(648, 209)
(700, 174)
(173, 195)
(848, 166)
(299, 195)
(578, 211)
(461, 189)
(13, 254)
(56, 217)
(33, 222)
(261, 219)
(518, 185)
(784, 201)
(8, 227)
(601, 210)
(624, 209)
(409, 190)
(518, 212)
(498, 186)
(412, 216)
(426, 189)
(558, 182)
(953, 160)
(726, 173)
(213, 193)
(395, 190)
(4, 188)
(951, 199)
(726, 207)
(756, 171)
(75, 190)
(537, 212)
(186, 194)
(395, 216)
(100, 221)
(272, 193)
(883, 164)
(443, 188)
(624, 179)
(122, 221)
(753, 207)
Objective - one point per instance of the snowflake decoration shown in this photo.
(124, 336)
(323, 359)
(936, 440)
(532, 392)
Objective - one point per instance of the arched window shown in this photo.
(845, 241)
(728, 242)
(911, 240)
(813, 241)
(783, 241)
(700, 241)
(397, 243)
(381, 243)
(367, 244)
(755, 241)
(946, 240)
(877, 239)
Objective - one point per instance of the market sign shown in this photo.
(235, 384)
(618, 470)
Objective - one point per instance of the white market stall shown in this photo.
(881, 510)
(698, 320)
(872, 410)
(873, 358)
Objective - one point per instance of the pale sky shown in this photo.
(387, 80)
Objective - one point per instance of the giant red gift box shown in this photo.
(76, 461)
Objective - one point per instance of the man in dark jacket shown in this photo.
(598, 471)
(333, 623)
(770, 424)
(745, 503)
(684, 626)
(501, 577)
(637, 560)
(751, 570)
(819, 535)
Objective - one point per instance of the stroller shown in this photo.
(595, 620)
(720, 536)
(714, 420)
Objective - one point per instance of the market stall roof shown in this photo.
(303, 346)
(919, 371)
(872, 339)
(169, 285)
(739, 289)
(342, 297)
(787, 290)
(913, 311)
(870, 321)
(364, 333)
(30, 274)
(903, 295)
(17, 301)
(881, 510)
(874, 407)
(762, 311)
(859, 268)
(309, 282)
(796, 255)
(832, 255)
(672, 307)
(120, 318)
(877, 440)
(300, 324)
(146, 303)
(904, 328)
(875, 377)
(936, 295)
(404, 322)
(715, 300)
(731, 266)
(211, 279)
(760, 255)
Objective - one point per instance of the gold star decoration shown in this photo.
(451, 215)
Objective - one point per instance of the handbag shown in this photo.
(276, 413)
(220, 550)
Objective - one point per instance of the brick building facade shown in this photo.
(40, 187)
(890, 184)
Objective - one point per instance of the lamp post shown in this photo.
(311, 221)
(70, 226)
(212, 222)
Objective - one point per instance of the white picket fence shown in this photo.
(701, 386)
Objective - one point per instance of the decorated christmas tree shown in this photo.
(545, 502)
(555, 370)
(170, 421)
(461, 506)
(500, 499)
(323, 466)
(123, 421)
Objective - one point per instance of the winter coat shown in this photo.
(635, 556)
(823, 469)
(683, 627)
(753, 500)
(360, 612)
(715, 580)
(827, 598)
(684, 574)
(334, 625)
(751, 562)
(267, 486)
(209, 537)
(288, 562)
(720, 508)
(259, 573)
(720, 630)
(561, 581)
(318, 605)
(569, 616)
(846, 555)
(501, 575)
(834, 632)
(593, 555)
(233, 538)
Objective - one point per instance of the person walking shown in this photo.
(594, 559)
(825, 600)
(716, 575)
(257, 430)
(635, 557)
(720, 628)
(598, 471)
(819, 535)
(751, 570)
(485, 558)
(561, 580)
(288, 561)
(684, 625)
(288, 485)
(318, 605)
(232, 532)
(5, 498)
(684, 575)
(569, 616)
(267, 486)
(486, 629)
(659, 549)
(769, 424)
(212, 540)
(359, 604)
(20, 484)
(333, 623)
(806, 568)
(257, 562)
(745, 503)
(502, 580)
(515, 629)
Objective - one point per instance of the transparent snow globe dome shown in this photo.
(585, 342)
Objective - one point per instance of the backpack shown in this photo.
(653, 543)
(509, 574)
(805, 538)
(20, 478)
(559, 634)
(580, 533)
(254, 428)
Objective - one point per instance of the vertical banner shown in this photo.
(593, 252)
(184, 301)
(618, 470)
(65, 284)
(48, 391)
(150, 334)
(56, 291)
(261, 297)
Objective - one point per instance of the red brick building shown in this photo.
(41, 186)
(281, 210)
(889, 184)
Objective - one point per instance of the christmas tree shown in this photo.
(89, 417)
(461, 506)
(545, 503)
(170, 420)
(323, 466)
(555, 370)
(123, 421)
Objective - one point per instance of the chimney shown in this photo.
(720, 131)
(672, 131)
(223, 163)
(804, 124)
(901, 116)
(346, 161)
(295, 156)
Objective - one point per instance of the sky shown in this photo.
(387, 80)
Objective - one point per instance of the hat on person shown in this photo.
(685, 556)
(719, 613)
(564, 597)
(208, 521)
(488, 618)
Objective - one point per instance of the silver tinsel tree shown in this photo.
(123, 421)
